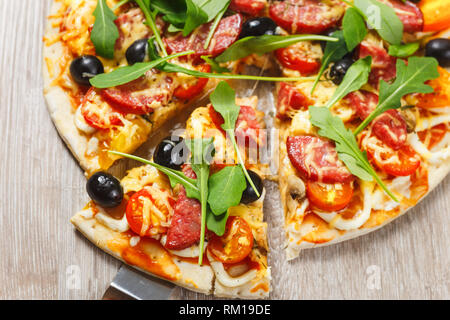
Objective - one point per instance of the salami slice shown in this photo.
(226, 34)
(409, 14)
(251, 7)
(185, 227)
(248, 129)
(389, 127)
(316, 159)
(383, 65)
(306, 16)
(143, 95)
(288, 99)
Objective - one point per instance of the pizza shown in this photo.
(361, 112)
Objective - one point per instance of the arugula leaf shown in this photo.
(127, 74)
(333, 52)
(215, 223)
(223, 100)
(403, 50)
(174, 11)
(175, 177)
(195, 16)
(410, 78)
(104, 33)
(225, 189)
(263, 44)
(356, 76)
(383, 19)
(354, 28)
(332, 127)
(214, 65)
(150, 20)
(202, 151)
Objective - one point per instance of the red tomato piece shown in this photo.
(363, 102)
(296, 57)
(142, 95)
(135, 213)
(433, 136)
(316, 159)
(383, 65)
(235, 245)
(251, 7)
(184, 92)
(289, 98)
(390, 127)
(185, 227)
(409, 14)
(226, 34)
(306, 16)
(248, 129)
(401, 162)
(97, 112)
(329, 197)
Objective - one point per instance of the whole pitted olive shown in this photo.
(105, 190)
(85, 68)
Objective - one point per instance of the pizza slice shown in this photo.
(155, 223)
(93, 121)
(326, 199)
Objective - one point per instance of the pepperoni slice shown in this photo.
(383, 65)
(130, 28)
(390, 127)
(226, 34)
(364, 102)
(251, 7)
(317, 160)
(409, 14)
(185, 228)
(290, 98)
(298, 57)
(97, 112)
(189, 90)
(306, 16)
(248, 129)
(141, 96)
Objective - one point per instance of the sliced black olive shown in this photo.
(258, 27)
(249, 195)
(85, 68)
(137, 51)
(105, 190)
(440, 49)
(339, 69)
(172, 152)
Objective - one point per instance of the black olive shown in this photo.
(258, 27)
(105, 190)
(171, 153)
(327, 33)
(85, 68)
(137, 51)
(249, 195)
(339, 69)
(440, 49)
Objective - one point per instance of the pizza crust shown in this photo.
(192, 276)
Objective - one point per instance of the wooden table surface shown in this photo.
(43, 257)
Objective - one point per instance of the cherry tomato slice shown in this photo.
(136, 216)
(296, 57)
(399, 163)
(235, 245)
(329, 197)
(97, 112)
(184, 92)
(433, 136)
